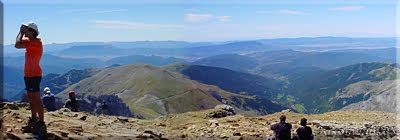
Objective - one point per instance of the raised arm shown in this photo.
(18, 42)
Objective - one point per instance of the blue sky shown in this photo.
(120, 20)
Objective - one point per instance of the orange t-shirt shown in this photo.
(33, 54)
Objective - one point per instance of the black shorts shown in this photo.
(32, 84)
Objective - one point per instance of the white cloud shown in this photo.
(110, 11)
(198, 18)
(347, 8)
(291, 12)
(116, 24)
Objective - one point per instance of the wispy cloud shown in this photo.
(91, 11)
(292, 12)
(347, 8)
(75, 11)
(196, 18)
(282, 11)
(117, 24)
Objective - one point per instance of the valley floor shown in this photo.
(63, 124)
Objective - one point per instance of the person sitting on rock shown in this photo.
(282, 129)
(304, 132)
(104, 108)
(72, 103)
(49, 100)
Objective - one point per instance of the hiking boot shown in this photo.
(29, 126)
(40, 130)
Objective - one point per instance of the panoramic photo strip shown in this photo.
(188, 69)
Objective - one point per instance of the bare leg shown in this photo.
(32, 105)
(39, 106)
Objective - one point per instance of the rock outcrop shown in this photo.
(221, 111)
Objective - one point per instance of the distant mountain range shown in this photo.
(54, 64)
(330, 43)
(303, 71)
(140, 59)
(230, 61)
(309, 75)
(196, 50)
(290, 65)
(59, 65)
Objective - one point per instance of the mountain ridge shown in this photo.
(152, 91)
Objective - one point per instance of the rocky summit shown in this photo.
(223, 123)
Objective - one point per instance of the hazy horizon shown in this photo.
(221, 41)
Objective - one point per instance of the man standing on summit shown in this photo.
(32, 76)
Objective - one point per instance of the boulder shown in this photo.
(222, 111)
(83, 118)
(286, 110)
(225, 107)
(154, 134)
(123, 120)
(213, 123)
(64, 110)
(10, 105)
(236, 134)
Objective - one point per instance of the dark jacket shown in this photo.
(305, 133)
(282, 130)
(104, 106)
(72, 104)
(49, 102)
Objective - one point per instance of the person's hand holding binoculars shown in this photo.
(23, 29)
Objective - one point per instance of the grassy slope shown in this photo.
(316, 91)
(153, 91)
